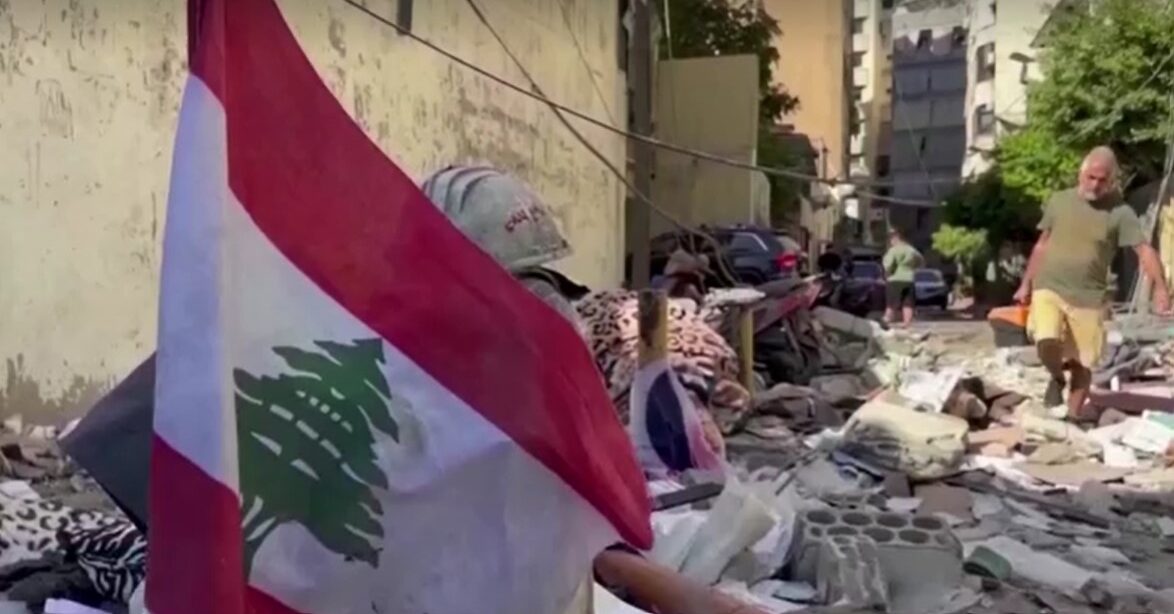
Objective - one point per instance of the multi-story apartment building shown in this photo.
(929, 136)
(870, 108)
(1002, 61)
(834, 58)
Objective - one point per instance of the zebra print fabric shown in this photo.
(113, 557)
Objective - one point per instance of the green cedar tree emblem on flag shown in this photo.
(307, 449)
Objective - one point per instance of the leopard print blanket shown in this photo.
(704, 362)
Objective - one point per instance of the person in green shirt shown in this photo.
(900, 261)
(1067, 276)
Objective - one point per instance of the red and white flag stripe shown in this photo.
(507, 469)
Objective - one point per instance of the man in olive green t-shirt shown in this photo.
(1067, 277)
(900, 262)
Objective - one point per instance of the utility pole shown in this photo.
(640, 84)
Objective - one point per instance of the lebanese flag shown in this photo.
(357, 409)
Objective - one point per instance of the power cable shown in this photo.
(562, 7)
(562, 109)
(644, 198)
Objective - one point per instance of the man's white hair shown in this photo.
(1101, 154)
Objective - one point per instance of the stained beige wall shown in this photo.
(708, 104)
(811, 49)
(89, 93)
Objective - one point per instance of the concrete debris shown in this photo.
(925, 478)
(891, 436)
(944, 499)
(1038, 567)
(850, 573)
(1073, 474)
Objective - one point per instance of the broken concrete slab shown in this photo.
(1038, 567)
(1157, 479)
(921, 445)
(1009, 436)
(1097, 558)
(1096, 497)
(1073, 474)
(941, 498)
(1058, 453)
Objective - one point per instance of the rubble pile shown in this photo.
(933, 480)
(915, 474)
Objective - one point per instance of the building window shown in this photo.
(403, 14)
(886, 4)
(856, 128)
(958, 37)
(924, 38)
(858, 93)
(883, 163)
(984, 63)
(858, 59)
(984, 120)
(858, 25)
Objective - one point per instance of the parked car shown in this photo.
(930, 288)
(870, 274)
(754, 255)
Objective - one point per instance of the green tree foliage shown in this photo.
(307, 449)
(962, 245)
(1107, 79)
(1034, 164)
(704, 28)
(1108, 75)
(991, 204)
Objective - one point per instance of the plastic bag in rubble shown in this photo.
(665, 426)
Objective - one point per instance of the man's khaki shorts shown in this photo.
(1081, 330)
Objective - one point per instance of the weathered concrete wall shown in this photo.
(89, 93)
(689, 114)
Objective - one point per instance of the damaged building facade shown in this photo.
(91, 93)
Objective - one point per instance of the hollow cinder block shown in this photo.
(850, 573)
(913, 551)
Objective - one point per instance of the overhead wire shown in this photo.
(649, 140)
(562, 6)
(643, 198)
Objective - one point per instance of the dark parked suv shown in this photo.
(754, 255)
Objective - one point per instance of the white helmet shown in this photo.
(499, 213)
